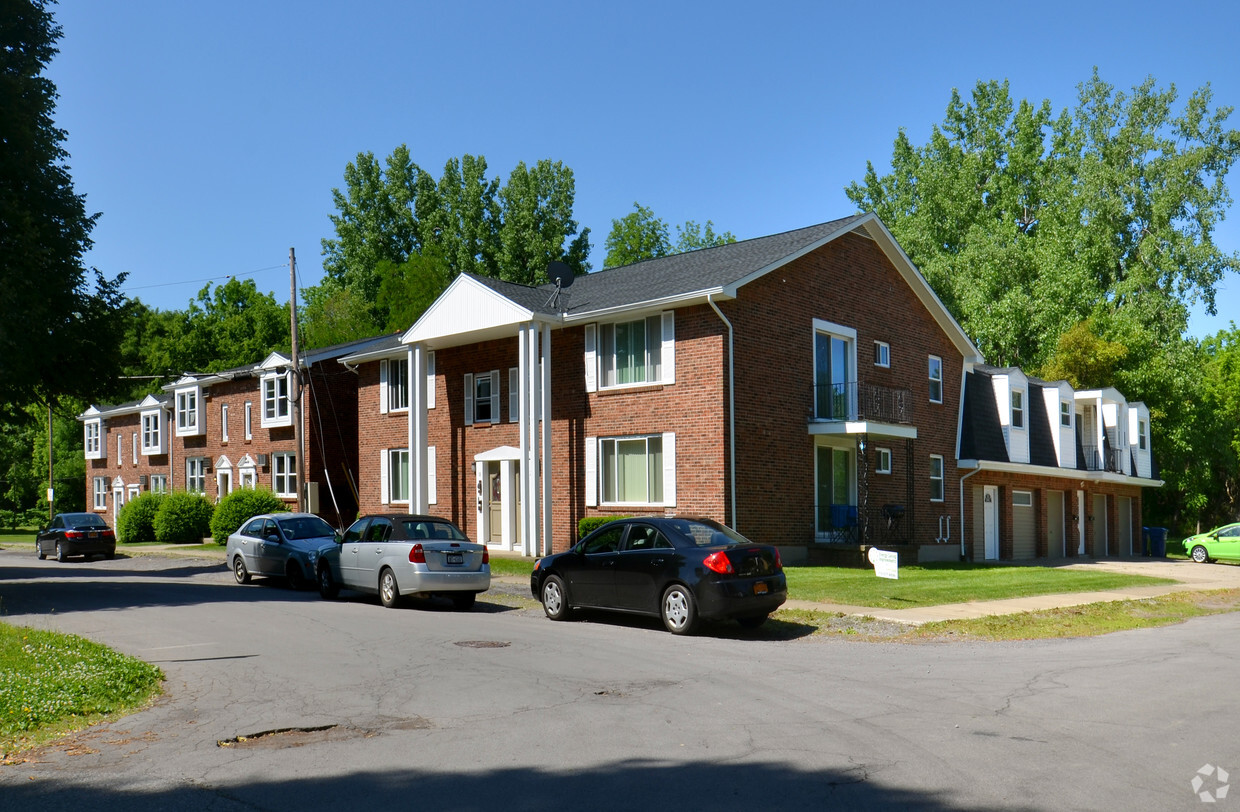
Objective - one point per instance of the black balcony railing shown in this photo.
(1103, 459)
(862, 401)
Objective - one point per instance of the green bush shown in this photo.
(589, 524)
(238, 506)
(183, 517)
(136, 521)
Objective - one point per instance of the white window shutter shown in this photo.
(591, 358)
(431, 482)
(495, 396)
(383, 387)
(430, 379)
(669, 346)
(514, 394)
(591, 471)
(384, 476)
(669, 467)
(469, 398)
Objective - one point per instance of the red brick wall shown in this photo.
(376, 432)
(127, 426)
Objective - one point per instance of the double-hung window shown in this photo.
(394, 475)
(1018, 408)
(936, 379)
(936, 478)
(249, 421)
(133, 447)
(1065, 414)
(152, 433)
(482, 398)
(1141, 441)
(188, 412)
(93, 432)
(159, 483)
(120, 449)
(393, 386)
(223, 422)
(631, 353)
(275, 389)
(284, 474)
(196, 474)
(100, 492)
(636, 470)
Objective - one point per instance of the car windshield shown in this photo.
(424, 529)
(80, 521)
(305, 527)
(707, 533)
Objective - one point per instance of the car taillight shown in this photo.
(779, 564)
(107, 534)
(486, 556)
(718, 562)
(417, 555)
(74, 534)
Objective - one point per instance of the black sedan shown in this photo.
(84, 534)
(678, 569)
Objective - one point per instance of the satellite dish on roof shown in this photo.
(560, 274)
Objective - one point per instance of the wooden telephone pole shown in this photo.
(295, 389)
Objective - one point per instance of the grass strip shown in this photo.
(52, 684)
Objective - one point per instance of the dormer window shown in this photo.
(1065, 414)
(1018, 408)
(1141, 434)
(93, 437)
(188, 411)
(275, 390)
(153, 432)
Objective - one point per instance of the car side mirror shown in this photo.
(272, 537)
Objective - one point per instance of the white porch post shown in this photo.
(545, 474)
(419, 498)
(528, 376)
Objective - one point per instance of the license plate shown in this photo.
(455, 558)
(93, 535)
(759, 588)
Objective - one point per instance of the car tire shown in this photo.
(296, 579)
(109, 556)
(60, 553)
(328, 588)
(464, 601)
(389, 590)
(751, 622)
(1200, 555)
(239, 571)
(679, 610)
(554, 597)
(38, 550)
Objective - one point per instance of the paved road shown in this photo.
(426, 708)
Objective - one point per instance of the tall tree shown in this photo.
(464, 219)
(332, 313)
(641, 235)
(691, 237)
(58, 332)
(537, 221)
(408, 289)
(230, 325)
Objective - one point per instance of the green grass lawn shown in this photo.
(508, 565)
(935, 584)
(52, 684)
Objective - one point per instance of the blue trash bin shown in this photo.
(1145, 541)
(1158, 542)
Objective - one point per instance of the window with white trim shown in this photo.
(1022, 498)
(275, 405)
(93, 432)
(482, 398)
(1065, 414)
(882, 354)
(835, 371)
(249, 420)
(100, 491)
(247, 474)
(394, 475)
(631, 353)
(223, 422)
(159, 483)
(882, 464)
(393, 386)
(120, 449)
(196, 474)
(1141, 441)
(284, 474)
(936, 478)
(187, 411)
(631, 470)
(133, 447)
(936, 379)
(152, 432)
(1018, 408)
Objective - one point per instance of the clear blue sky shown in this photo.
(210, 135)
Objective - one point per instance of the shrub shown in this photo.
(136, 521)
(589, 524)
(183, 517)
(238, 506)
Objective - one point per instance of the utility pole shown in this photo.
(295, 393)
(51, 481)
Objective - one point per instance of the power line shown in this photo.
(207, 279)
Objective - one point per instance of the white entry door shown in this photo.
(990, 521)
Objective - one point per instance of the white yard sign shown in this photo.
(886, 563)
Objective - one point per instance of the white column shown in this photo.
(530, 401)
(419, 500)
(545, 473)
(523, 385)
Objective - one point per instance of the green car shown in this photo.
(1220, 543)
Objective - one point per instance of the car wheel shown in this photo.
(296, 578)
(109, 556)
(679, 610)
(751, 622)
(1200, 555)
(389, 592)
(328, 588)
(464, 601)
(555, 598)
(60, 553)
(239, 571)
(38, 550)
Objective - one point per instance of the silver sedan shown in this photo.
(400, 555)
(286, 545)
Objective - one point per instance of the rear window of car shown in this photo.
(305, 527)
(423, 529)
(707, 534)
(80, 520)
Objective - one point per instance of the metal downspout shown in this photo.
(731, 406)
(963, 526)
